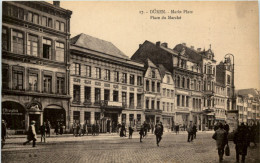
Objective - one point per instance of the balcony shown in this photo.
(209, 92)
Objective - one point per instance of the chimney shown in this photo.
(165, 44)
(198, 49)
(56, 3)
(158, 43)
(192, 47)
(184, 44)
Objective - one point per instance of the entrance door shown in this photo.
(36, 118)
(108, 125)
(114, 118)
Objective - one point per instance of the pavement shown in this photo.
(114, 149)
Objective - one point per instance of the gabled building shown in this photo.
(35, 64)
(105, 85)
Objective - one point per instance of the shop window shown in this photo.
(124, 78)
(98, 73)
(18, 79)
(18, 40)
(158, 105)
(124, 98)
(76, 93)
(123, 118)
(115, 95)
(33, 82)
(131, 100)
(87, 94)
(60, 85)
(47, 84)
(131, 119)
(139, 80)
(4, 38)
(76, 116)
(88, 71)
(32, 45)
(60, 52)
(97, 95)
(139, 100)
(116, 76)
(46, 45)
(107, 75)
(77, 68)
(107, 95)
(87, 116)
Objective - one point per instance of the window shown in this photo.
(172, 93)
(76, 116)
(139, 100)
(57, 25)
(199, 86)
(182, 103)
(14, 11)
(131, 119)
(153, 86)
(178, 100)
(107, 75)
(124, 98)
(35, 18)
(168, 79)
(193, 103)
(18, 79)
(131, 100)
(88, 71)
(44, 21)
(147, 103)
(30, 17)
(187, 101)
(33, 82)
(47, 83)
(60, 85)
(60, 51)
(32, 45)
(152, 104)
(195, 85)
(188, 83)
(158, 105)
(98, 73)
(87, 117)
(228, 92)
(171, 107)
(116, 76)
(62, 27)
(124, 78)
(77, 68)
(147, 85)
(168, 93)
(139, 80)
(50, 22)
(17, 42)
(168, 106)
(5, 76)
(164, 91)
(228, 79)
(158, 87)
(4, 39)
(107, 95)
(163, 104)
(97, 95)
(132, 79)
(46, 48)
(115, 95)
(87, 94)
(183, 82)
(153, 74)
(178, 81)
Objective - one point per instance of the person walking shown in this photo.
(31, 136)
(43, 132)
(190, 132)
(74, 128)
(241, 140)
(3, 132)
(131, 130)
(93, 129)
(145, 129)
(61, 128)
(85, 128)
(220, 136)
(158, 133)
(194, 130)
(141, 132)
(57, 128)
(48, 128)
(177, 128)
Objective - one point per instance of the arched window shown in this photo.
(188, 83)
(183, 82)
(195, 84)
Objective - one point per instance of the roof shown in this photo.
(191, 53)
(98, 45)
(248, 91)
(163, 70)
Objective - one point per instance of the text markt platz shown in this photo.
(172, 12)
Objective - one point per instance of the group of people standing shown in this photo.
(158, 132)
(79, 129)
(192, 130)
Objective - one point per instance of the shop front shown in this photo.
(54, 114)
(167, 120)
(153, 116)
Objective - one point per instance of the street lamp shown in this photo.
(233, 85)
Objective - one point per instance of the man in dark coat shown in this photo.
(3, 132)
(241, 139)
(31, 134)
(190, 132)
(158, 132)
(141, 132)
(177, 128)
(220, 136)
(226, 127)
(131, 130)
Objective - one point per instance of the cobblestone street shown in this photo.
(112, 148)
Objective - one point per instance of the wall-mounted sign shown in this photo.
(11, 111)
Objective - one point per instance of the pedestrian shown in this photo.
(152, 126)
(57, 128)
(123, 132)
(97, 129)
(79, 129)
(48, 128)
(241, 140)
(61, 128)
(31, 135)
(158, 133)
(177, 128)
(220, 136)
(118, 127)
(131, 130)
(43, 132)
(74, 128)
(194, 130)
(3, 132)
(141, 132)
(85, 128)
(190, 132)
(226, 127)
(93, 129)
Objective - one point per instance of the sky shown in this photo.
(230, 27)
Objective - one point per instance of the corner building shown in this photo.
(35, 43)
(105, 85)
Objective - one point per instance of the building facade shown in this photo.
(35, 43)
(106, 86)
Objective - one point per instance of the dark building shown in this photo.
(35, 69)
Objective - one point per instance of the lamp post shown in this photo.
(233, 85)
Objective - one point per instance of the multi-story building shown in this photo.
(105, 85)
(219, 102)
(35, 43)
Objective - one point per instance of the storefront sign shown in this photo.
(11, 111)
